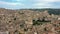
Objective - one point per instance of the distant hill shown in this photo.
(51, 11)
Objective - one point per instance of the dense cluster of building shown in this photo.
(25, 22)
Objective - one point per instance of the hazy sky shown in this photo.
(19, 4)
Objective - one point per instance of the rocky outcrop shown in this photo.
(21, 22)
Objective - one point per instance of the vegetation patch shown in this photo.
(38, 22)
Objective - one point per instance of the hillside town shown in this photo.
(28, 22)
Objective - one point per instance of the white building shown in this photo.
(58, 18)
(35, 32)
